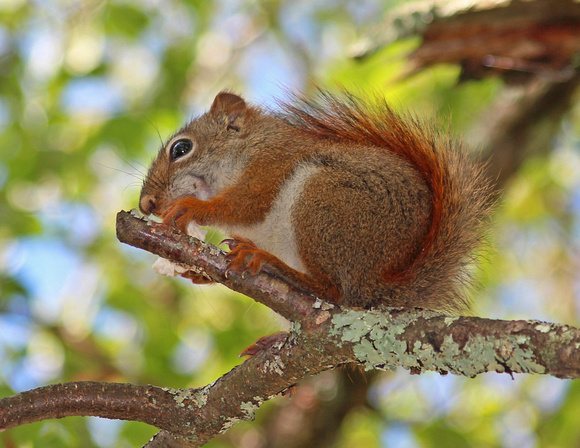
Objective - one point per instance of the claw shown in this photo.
(175, 218)
(263, 343)
(230, 242)
(244, 256)
(181, 212)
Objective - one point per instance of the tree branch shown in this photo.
(324, 336)
(285, 297)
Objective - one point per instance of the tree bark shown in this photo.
(323, 336)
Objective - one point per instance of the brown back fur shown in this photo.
(435, 274)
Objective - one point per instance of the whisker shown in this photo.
(156, 130)
(136, 176)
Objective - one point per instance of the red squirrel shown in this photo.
(362, 205)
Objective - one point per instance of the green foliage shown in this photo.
(89, 90)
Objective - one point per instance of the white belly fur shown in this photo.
(275, 234)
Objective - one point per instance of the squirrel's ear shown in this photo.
(228, 103)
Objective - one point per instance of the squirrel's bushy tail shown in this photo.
(462, 196)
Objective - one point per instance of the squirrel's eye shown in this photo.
(179, 149)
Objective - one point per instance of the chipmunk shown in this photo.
(362, 205)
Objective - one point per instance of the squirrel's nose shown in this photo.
(147, 204)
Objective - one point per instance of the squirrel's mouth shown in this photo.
(193, 186)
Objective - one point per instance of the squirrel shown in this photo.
(364, 206)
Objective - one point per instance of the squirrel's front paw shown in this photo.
(180, 213)
(244, 256)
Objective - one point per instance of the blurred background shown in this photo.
(90, 89)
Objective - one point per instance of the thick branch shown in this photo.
(324, 337)
(147, 404)
(412, 338)
(191, 417)
(462, 345)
